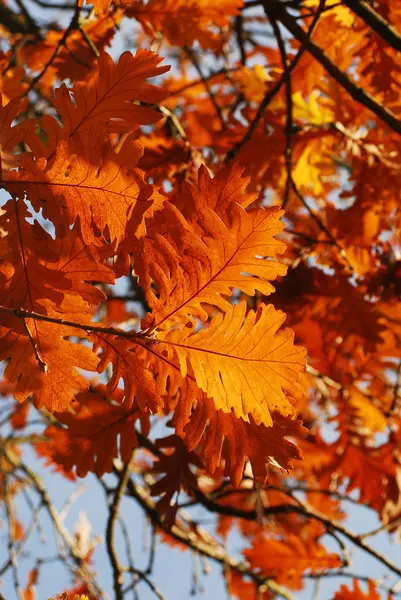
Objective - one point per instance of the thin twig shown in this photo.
(212, 550)
(270, 95)
(357, 93)
(289, 111)
(41, 363)
(142, 575)
(320, 223)
(71, 27)
(307, 512)
(376, 22)
(118, 578)
(59, 526)
(192, 56)
(11, 548)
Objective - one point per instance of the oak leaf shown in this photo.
(12, 84)
(100, 6)
(75, 58)
(227, 187)
(185, 20)
(89, 181)
(242, 361)
(174, 472)
(130, 362)
(288, 559)
(245, 590)
(356, 593)
(190, 270)
(37, 270)
(106, 96)
(365, 469)
(220, 439)
(10, 135)
(88, 437)
(42, 362)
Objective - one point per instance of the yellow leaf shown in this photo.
(311, 111)
(367, 414)
(242, 361)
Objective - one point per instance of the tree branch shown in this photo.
(270, 95)
(376, 22)
(213, 551)
(357, 93)
(117, 568)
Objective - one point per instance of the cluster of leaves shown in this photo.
(150, 209)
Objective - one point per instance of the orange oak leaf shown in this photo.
(356, 593)
(100, 6)
(38, 271)
(174, 471)
(245, 590)
(12, 84)
(286, 560)
(42, 361)
(88, 437)
(81, 265)
(130, 363)
(29, 592)
(19, 415)
(89, 181)
(244, 362)
(10, 135)
(365, 469)
(106, 97)
(25, 278)
(80, 591)
(190, 270)
(185, 20)
(221, 439)
(163, 157)
(227, 187)
(75, 58)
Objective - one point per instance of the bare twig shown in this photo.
(118, 578)
(59, 526)
(272, 93)
(320, 223)
(41, 363)
(74, 23)
(213, 550)
(366, 12)
(289, 111)
(192, 56)
(357, 93)
(11, 536)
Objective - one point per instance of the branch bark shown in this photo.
(357, 93)
(376, 22)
